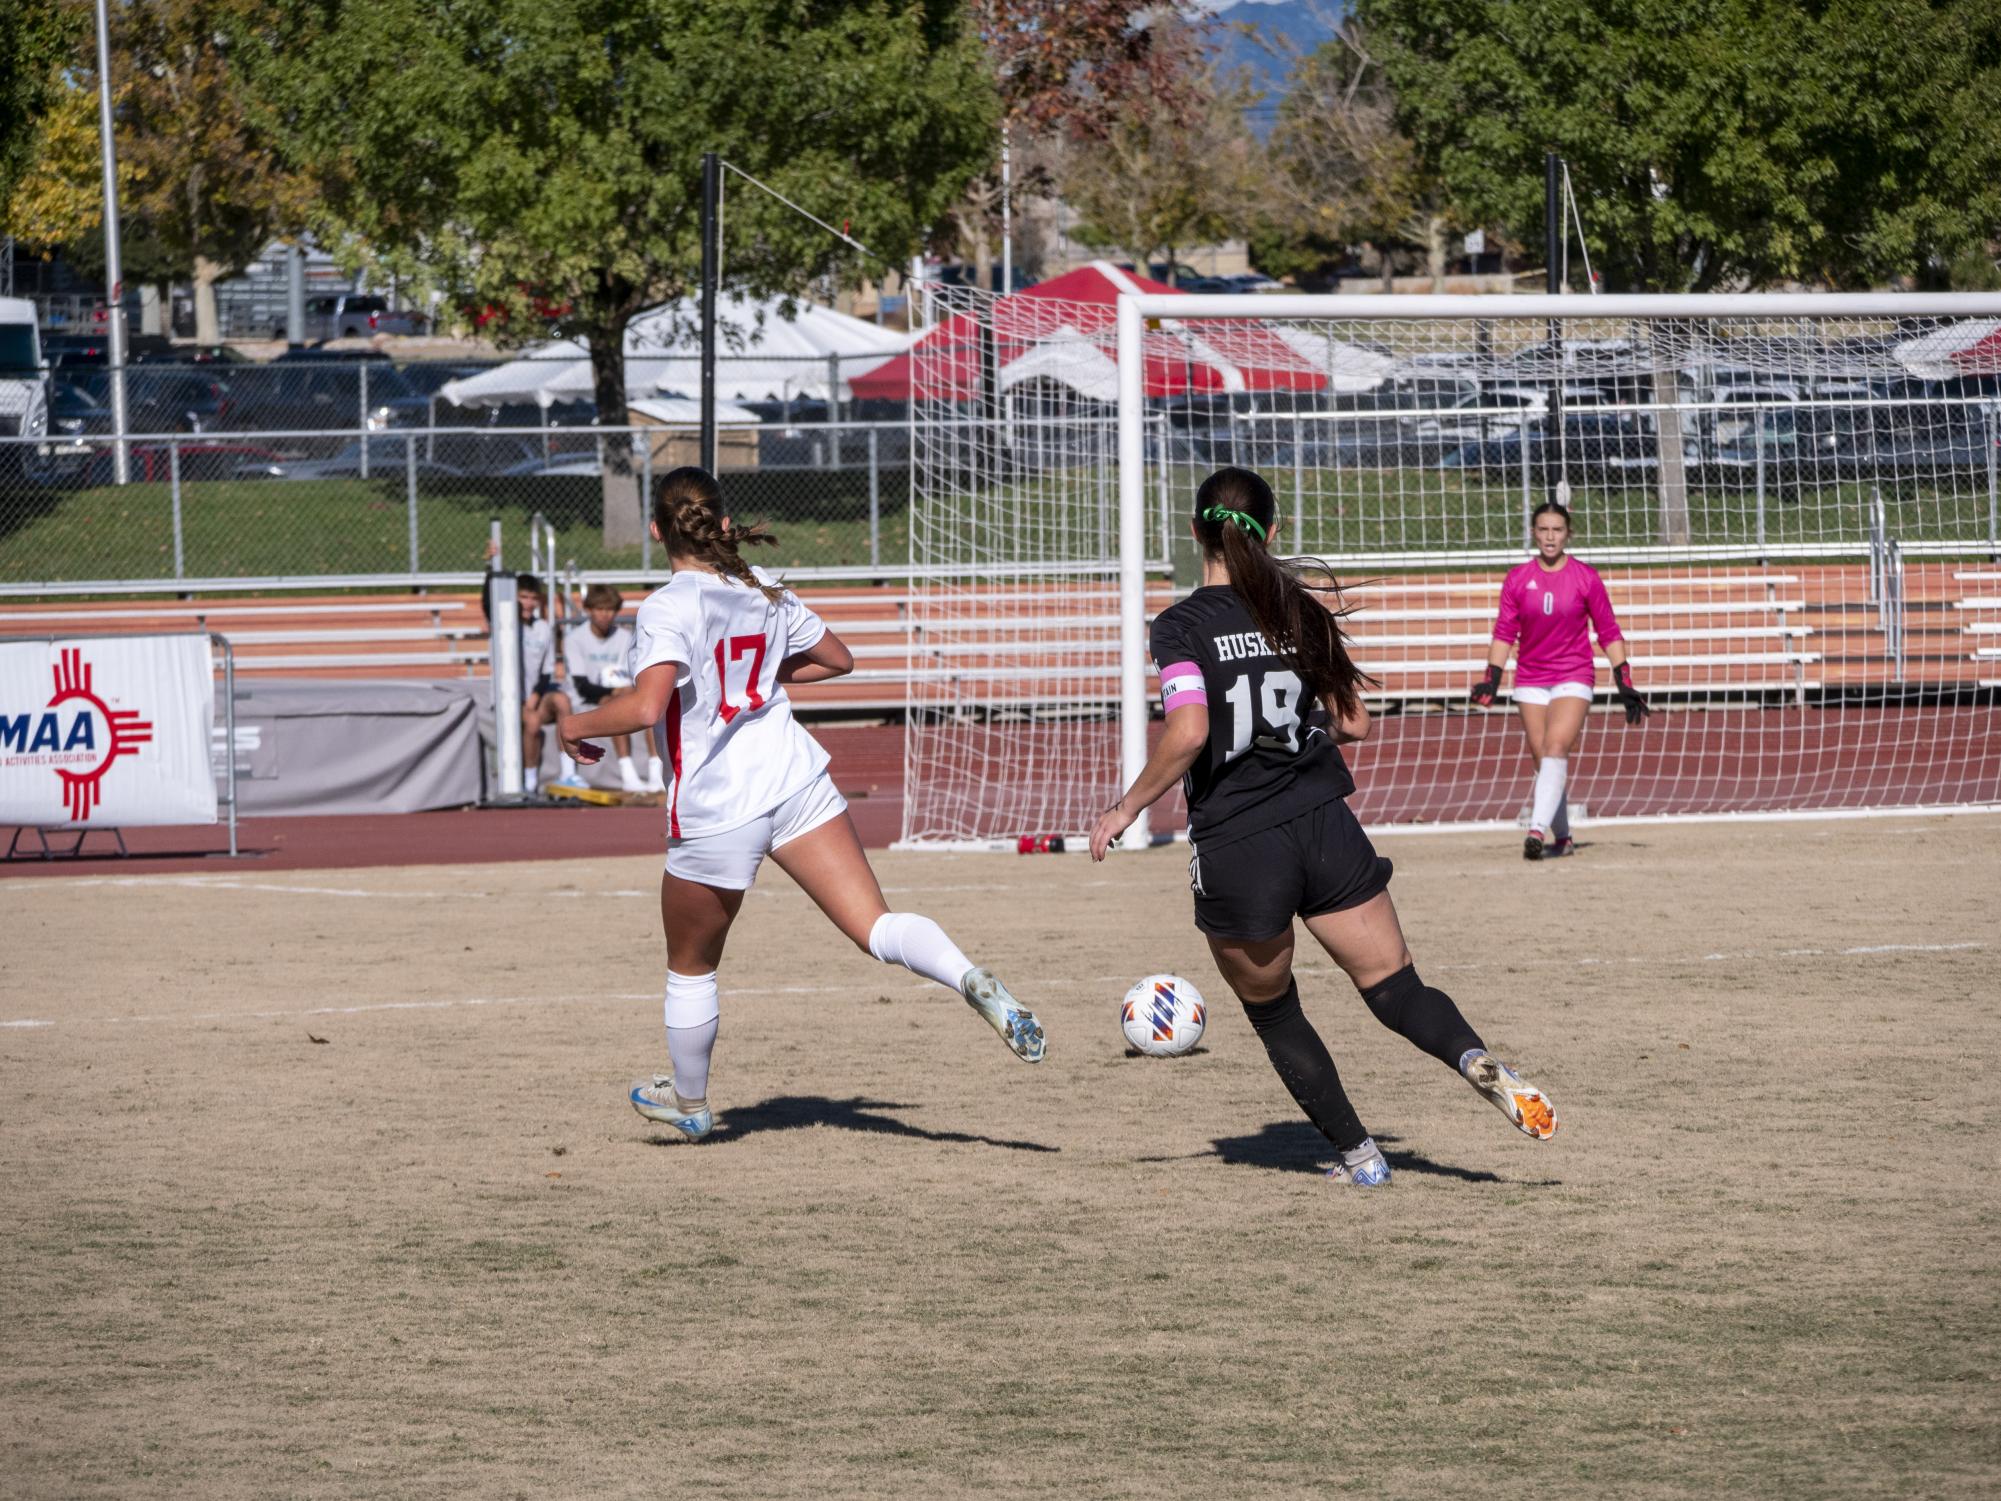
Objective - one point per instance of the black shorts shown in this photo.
(1251, 888)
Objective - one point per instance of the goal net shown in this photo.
(1013, 621)
(1792, 499)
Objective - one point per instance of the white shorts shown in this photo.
(730, 859)
(1544, 695)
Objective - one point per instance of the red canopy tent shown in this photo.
(1079, 309)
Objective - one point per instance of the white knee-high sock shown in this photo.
(693, 1014)
(919, 945)
(1550, 778)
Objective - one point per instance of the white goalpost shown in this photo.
(1793, 500)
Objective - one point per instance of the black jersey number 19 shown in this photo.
(1265, 714)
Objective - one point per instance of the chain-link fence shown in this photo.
(328, 466)
(353, 507)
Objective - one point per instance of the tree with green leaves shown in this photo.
(1714, 143)
(545, 155)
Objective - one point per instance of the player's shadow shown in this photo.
(1295, 1147)
(799, 1112)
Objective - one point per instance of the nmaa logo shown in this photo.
(78, 736)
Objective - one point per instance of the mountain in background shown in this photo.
(1246, 35)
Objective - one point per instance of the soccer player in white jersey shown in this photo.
(712, 653)
(598, 659)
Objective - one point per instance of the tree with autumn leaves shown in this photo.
(203, 185)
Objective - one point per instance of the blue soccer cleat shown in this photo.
(658, 1102)
(1016, 1024)
(1369, 1170)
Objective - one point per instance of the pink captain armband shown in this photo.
(1181, 685)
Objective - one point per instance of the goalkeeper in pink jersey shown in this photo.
(1550, 605)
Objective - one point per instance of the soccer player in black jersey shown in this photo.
(1259, 692)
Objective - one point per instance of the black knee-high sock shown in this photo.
(1427, 1017)
(1302, 1062)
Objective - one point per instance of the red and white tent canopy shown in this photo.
(1065, 330)
(1972, 347)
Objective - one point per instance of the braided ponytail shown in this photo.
(688, 510)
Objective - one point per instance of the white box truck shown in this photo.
(24, 387)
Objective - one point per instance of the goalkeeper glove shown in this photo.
(1636, 707)
(1484, 690)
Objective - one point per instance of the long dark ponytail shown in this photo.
(1234, 512)
(688, 509)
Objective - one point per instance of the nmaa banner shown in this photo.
(102, 731)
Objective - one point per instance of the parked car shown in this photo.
(162, 399)
(1255, 281)
(153, 463)
(352, 315)
(407, 396)
(447, 455)
(78, 421)
(346, 464)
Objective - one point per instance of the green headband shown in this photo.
(1224, 513)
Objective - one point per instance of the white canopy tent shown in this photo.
(1351, 369)
(685, 411)
(761, 355)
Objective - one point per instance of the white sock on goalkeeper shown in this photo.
(1550, 779)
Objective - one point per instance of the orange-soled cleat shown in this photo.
(1520, 1101)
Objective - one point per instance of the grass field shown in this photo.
(436, 1251)
(268, 528)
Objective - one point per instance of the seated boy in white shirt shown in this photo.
(597, 657)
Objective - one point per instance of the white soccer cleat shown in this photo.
(1369, 1170)
(1016, 1024)
(1520, 1101)
(658, 1102)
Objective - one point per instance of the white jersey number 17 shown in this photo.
(739, 648)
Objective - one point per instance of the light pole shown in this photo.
(121, 459)
(1007, 213)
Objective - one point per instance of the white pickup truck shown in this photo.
(353, 315)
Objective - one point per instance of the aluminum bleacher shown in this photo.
(1735, 633)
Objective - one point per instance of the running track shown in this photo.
(1431, 767)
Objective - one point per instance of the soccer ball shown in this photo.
(1163, 1016)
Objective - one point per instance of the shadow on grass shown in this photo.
(798, 1112)
(1296, 1147)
